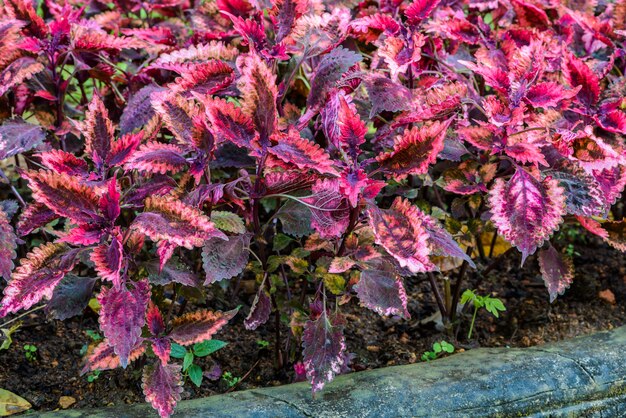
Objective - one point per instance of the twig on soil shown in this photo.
(22, 315)
(244, 377)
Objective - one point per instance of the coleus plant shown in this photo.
(320, 147)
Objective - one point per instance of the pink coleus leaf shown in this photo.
(557, 271)
(387, 95)
(64, 162)
(229, 123)
(355, 184)
(549, 94)
(258, 90)
(173, 221)
(198, 326)
(162, 348)
(17, 136)
(414, 151)
(352, 130)
(330, 210)
(122, 316)
(159, 158)
(65, 195)
(526, 211)
(154, 320)
(98, 130)
(123, 147)
(304, 154)
(8, 244)
(259, 312)
(177, 114)
(225, 259)
(323, 348)
(206, 78)
(108, 259)
(612, 182)
(370, 28)
(530, 15)
(104, 357)
(287, 181)
(86, 234)
(162, 386)
(382, 292)
(612, 121)
(577, 73)
(420, 10)
(401, 232)
(37, 276)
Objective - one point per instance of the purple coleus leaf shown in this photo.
(330, 209)
(8, 244)
(17, 136)
(172, 271)
(259, 312)
(557, 271)
(122, 316)
(198, 326)
(382, 292)
(64, 162)
(108, 259)
(139, 113)
(387, 95)
(162, 386)
(577, 73)
(225, 259)
(229, 123)
(302, 153)
(323, 348)
(583, 194)
(401, 231)
(104, 357)
(37, 276)
(441, 242)
(525, 210)
(420, 10)
(70, 297)
(34, 216)
(549, 94)
(98, 130)
(157, 158)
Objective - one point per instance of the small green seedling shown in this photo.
(262, 344)
(493, 305)
(30, 351)
(439, 348)
(92, 376)
(203, 349)
(230, 380)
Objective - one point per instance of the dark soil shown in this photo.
(376, 342)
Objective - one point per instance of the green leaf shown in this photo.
(195, 374)
(208, 347)
(6, 343)
(228, 221)
(437, 348)
(467, 296)
(178, 351)
(281, 241)
(447, 347)
(187, 361)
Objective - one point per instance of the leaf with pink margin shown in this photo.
(139, 113)
(194, 327)
(526, 211)
(229, 123)
(414, 151)
(612, 182)
(287, 181)
(206, 78)
(17, 136)
(352, 130)
(162, 386)
(549, 94)
(330, 209)
(65, 195)
(123, 148)
(557, 271)
(171, 220)
(108, 259)
(37, 276)
(8, 245)
(162, 348)
(259, 312)
(154, 320)
(158, 158)
(304, 154)
(177, 114)
(441, 242)
(355, 183)
(386, 95)
(225, 259)
(369, 28)
(122, 316)
(583, 194)
(86, 234)
(401, 232)
(258, 94)
(34, 216)
(98, 130)
(613, 121)
(17, 72)
(382, 292)
(530, 15)
(323, 348)
(64, 162)
(104, 357)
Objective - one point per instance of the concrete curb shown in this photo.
(585, 376)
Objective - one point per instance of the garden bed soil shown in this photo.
(594, 302)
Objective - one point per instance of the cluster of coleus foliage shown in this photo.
(329, 147)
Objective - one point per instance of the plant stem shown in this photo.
(22, 315)
(13, 189)
(469, 335)
(438, 298)
(457, 287)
